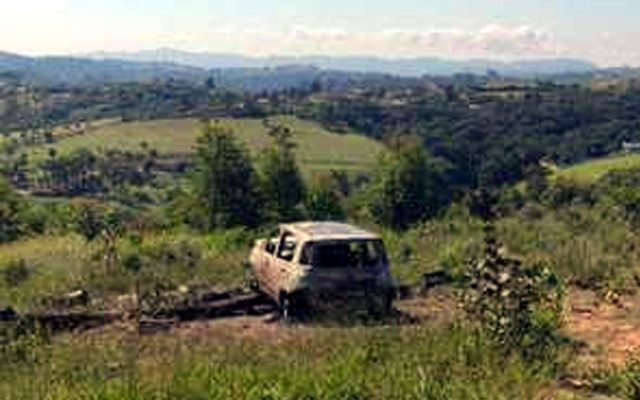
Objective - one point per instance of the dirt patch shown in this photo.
(261, 329)
(438, 305)
(610, 332)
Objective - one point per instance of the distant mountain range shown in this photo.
(399, 66)
(77, 70)
(262, 73)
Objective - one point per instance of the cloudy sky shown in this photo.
(604, 31)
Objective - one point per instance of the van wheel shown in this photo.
(381, 305)
(286, 308)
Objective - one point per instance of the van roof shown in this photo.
(328, 231)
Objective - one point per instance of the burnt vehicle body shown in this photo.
(314, 264)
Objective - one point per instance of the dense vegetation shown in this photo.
(490, 136)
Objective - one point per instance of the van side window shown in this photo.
(287, 248)
(270, 247)
(306, 255)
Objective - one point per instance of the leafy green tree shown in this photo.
(281, 182)
(408, 185)
(224, 180)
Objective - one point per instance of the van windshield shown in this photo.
(344, 254)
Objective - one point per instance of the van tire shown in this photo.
(381, 305)
(285, 308)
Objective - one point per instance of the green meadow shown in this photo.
(317, 148)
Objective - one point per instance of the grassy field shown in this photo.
(59, 264)
(318, 149)
(590, 171)
(249, 360)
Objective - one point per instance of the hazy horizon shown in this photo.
(484, 29)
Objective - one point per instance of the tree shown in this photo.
(281, 182)
(408, 185)
(223, 180)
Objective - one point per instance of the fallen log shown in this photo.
(246, 304)
(209, 305)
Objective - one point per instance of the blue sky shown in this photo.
(606, 32)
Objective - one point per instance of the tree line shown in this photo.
(228, 188)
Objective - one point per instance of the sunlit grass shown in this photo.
(590, 171)
(325, 363)
(59, 264)
(318, 149)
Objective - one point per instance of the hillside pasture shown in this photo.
(318, 149)
(590, 171)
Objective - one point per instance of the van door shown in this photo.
(266, 266)
(285, 268)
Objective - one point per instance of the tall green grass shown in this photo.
(585, 245)
(444, 243)
(336, 363)
(57, 265)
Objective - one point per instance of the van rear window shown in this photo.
(344, 254)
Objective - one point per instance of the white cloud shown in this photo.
(305, 33)
(489, 40)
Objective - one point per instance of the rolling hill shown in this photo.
(590, 171)
(318, 149)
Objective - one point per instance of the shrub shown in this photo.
(565, 192)
(10, 227)
(519, 306)
(623, 381)
(323, 201)
(16, 272)
(35, 219)
(621, 190)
